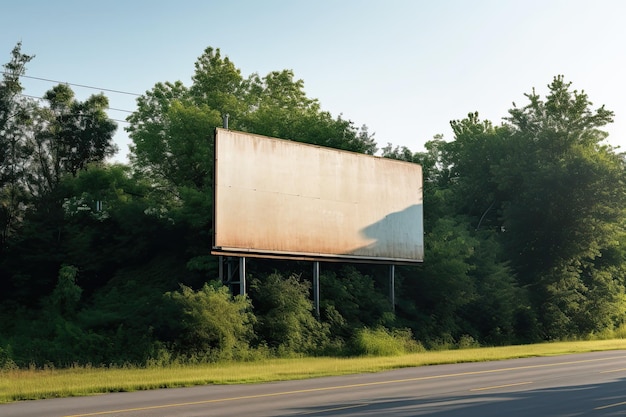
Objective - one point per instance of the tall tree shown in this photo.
(218, 84)
(15, 120)
(477, 147)
(556, 193)
(72, 134)
(567, 196)
(279, 107)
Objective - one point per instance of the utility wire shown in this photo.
(79, 85)
(108, 108)
(83, 86)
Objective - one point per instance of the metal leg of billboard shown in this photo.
(242, 275)
(316, 287)
(392, 287)
(234, 265)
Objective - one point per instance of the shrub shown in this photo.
(467, 342)
(383, 342)
(286, 322)
(214, 325)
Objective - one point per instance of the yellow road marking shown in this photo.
(610, 405)
(501, 386)
(334, 409)
(613, 370)
(338, 387)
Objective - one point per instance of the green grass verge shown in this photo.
(31, 384)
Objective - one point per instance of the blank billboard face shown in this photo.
(285, 199)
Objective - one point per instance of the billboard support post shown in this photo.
(242, 275)
(221, 268)
(233, 273)
(316, 287)
(392, 287)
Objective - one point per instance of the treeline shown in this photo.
(109, 263)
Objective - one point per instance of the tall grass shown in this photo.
(28, 384)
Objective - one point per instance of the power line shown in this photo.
(42, 99)
(108, 108)
(125, 111)
(79, 85)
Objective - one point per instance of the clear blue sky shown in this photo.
(404, 68)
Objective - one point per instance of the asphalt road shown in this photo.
(590, 384)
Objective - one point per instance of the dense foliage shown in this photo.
(109, 264)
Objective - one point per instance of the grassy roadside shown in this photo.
(30, 384)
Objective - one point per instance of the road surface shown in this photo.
(590, 384)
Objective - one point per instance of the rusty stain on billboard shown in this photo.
(281, 198)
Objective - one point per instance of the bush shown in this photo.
(286, 321)
(467, 342)
(383, 342)
(214, 325)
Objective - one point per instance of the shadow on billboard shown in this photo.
(398, 233)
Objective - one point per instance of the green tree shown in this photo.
(218, 84)
(550, 190)
(172, 138)
(566, 203)
(477, 148)
(279, 107)
(15, 121)
(71, 135)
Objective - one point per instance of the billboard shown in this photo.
(278, 198)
